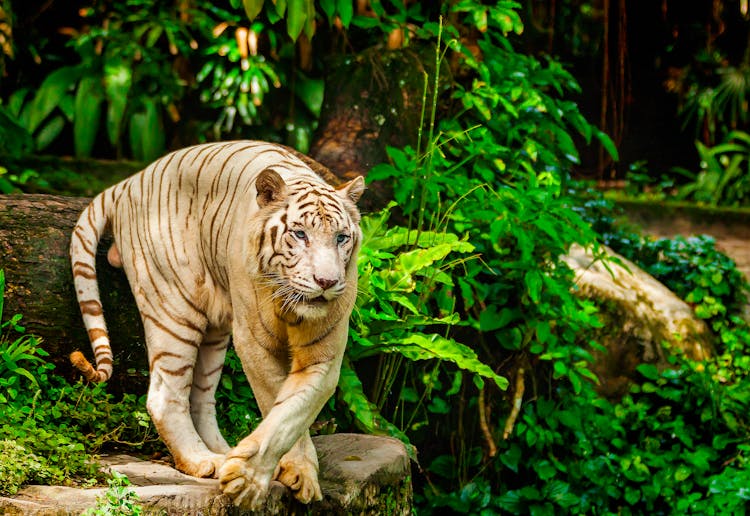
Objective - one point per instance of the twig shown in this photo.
(486, 427)
(517, 400)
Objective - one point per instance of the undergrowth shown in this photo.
(51, 430)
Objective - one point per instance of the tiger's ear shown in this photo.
(352, 190)
(270, 187)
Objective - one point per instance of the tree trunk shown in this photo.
(372, 100)
(34, 239)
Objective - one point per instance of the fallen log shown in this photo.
(640, 312)
(34, 239)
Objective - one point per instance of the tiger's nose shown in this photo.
(324, 283)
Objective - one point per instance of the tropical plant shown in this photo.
(714, 108)
(724, 178)
(46, 421)
(123, 78)
(118, 499)
(492, 171)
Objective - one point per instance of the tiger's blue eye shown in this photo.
(300, 234)
(342, 238)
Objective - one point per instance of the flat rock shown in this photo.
(359, 474)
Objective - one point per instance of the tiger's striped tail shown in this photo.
(83, 243)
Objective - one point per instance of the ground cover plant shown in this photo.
(51, 429)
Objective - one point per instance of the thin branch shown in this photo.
(492, 448)
(517, 401)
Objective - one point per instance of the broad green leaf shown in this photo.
(329, 9)
(118, 78)
(345, 8)
(650, 371)
(252, 8)
(607, 143)
(310, 92)
(16, 102)
(280, 7)
(295, 17)
(88, 108)
(136, 128)
(422, 258)
(423, 347)
(310, 20)
(49, 132)
(153, 131)
(52, 91)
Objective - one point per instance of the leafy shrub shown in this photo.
(123, 78)
(492, 176)
(724, 176)
(119, 499)
(44, 421)
(18, 465)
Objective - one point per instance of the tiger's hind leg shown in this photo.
(206, 378)
(173, 354)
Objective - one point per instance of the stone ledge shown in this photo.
(359, 474)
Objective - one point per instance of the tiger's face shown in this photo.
(308, 242)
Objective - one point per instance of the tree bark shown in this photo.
(34, 240)
(372, 100)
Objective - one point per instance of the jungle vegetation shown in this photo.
(480, 349)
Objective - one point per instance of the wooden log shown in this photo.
(34, 239)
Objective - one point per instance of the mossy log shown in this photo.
(34, 239)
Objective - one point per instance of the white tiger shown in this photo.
(235, 237)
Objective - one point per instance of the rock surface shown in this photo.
(359, 474)
(641, 314)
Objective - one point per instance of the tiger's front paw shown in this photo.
(243, 479)
(201, 465)
(300, 474)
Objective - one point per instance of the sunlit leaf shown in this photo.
(117, 81)
(295, 18)
(422, 347)
(252, 8)
(88, 108)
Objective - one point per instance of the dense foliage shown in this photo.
(467, 341)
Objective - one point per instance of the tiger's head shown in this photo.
(307, 250)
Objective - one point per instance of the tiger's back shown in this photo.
(236, 237)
